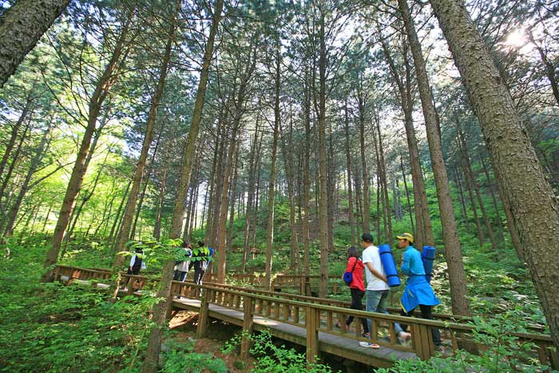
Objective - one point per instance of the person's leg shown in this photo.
(182, 276)
(373, 299)
(176, 276)
(197, 271)
(354, 305)
(427, 313)
(202, 273)
(408, 314)
(382, 309)
(359, 305)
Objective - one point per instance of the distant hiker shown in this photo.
(137, 262)
(377, 286)
(418, 291)
(182, 266)
(201, 254)
(356, 287)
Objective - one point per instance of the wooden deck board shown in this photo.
(329, 343)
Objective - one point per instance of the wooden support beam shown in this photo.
(311, 321)
(248, 325)
(204, 315)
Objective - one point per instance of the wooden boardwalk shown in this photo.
(308, 321)
(333, 344)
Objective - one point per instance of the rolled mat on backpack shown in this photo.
(389, 265)
(428, 257)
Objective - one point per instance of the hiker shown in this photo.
(182, 266)
(418, 292)
(201, 264)
(137, 262)
(377, 287)
(356, 287)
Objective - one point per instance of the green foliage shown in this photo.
(53, 328)
(502, 351)
(180, 357)
(271, 358)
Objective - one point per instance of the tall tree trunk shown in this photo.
(289, 167)
(77, 213)
(250, 197)
(307, 178)
(494, 201)
(549, 67)
(128, 215)
(102, 89)
(456, 272)
(145, 180)
(116, 222)
(323, 163)
(473, 184)
(270, 225)
(462, 197)
(21, 28)
(24, 188)
(349, 179)
(162, 189)
(366, 193)
(15, 161)
(518, 171)
(192, 140)
(13, 136)
(382, 171)
(407, 193)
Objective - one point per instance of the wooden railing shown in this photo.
(314, 315)
(316, 318)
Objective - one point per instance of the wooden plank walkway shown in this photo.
(333, 344)
(307, 321)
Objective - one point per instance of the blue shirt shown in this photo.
(412, 263)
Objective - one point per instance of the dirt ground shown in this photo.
(184, 323)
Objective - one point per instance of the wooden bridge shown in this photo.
(310, 321)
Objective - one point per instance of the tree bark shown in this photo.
(424, 230)
(25, 187)
(192, 140)
(288, 162)
(323, 164)
(349, 179)
(21, 28)
(407, 193)
(128, 215)
(250, 197)
(271, 210)
(534, 207)
(102, 89)
(456, 272)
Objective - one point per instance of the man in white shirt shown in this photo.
(377, 285)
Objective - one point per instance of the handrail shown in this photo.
(294, 309)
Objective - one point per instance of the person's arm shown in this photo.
(406, 264)
(376, 273)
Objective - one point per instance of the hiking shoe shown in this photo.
(366, 335)
(369, 345)
(403, 337)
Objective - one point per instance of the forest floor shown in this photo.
(184, 324)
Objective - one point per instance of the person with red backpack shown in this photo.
(356, 286)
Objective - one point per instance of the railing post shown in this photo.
(56, 273)
(204, 315)
(311, 321)
(248, 323)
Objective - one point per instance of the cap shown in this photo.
(406, 236)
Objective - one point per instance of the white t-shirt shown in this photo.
(371, 255)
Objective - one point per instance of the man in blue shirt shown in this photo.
(418, 292)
